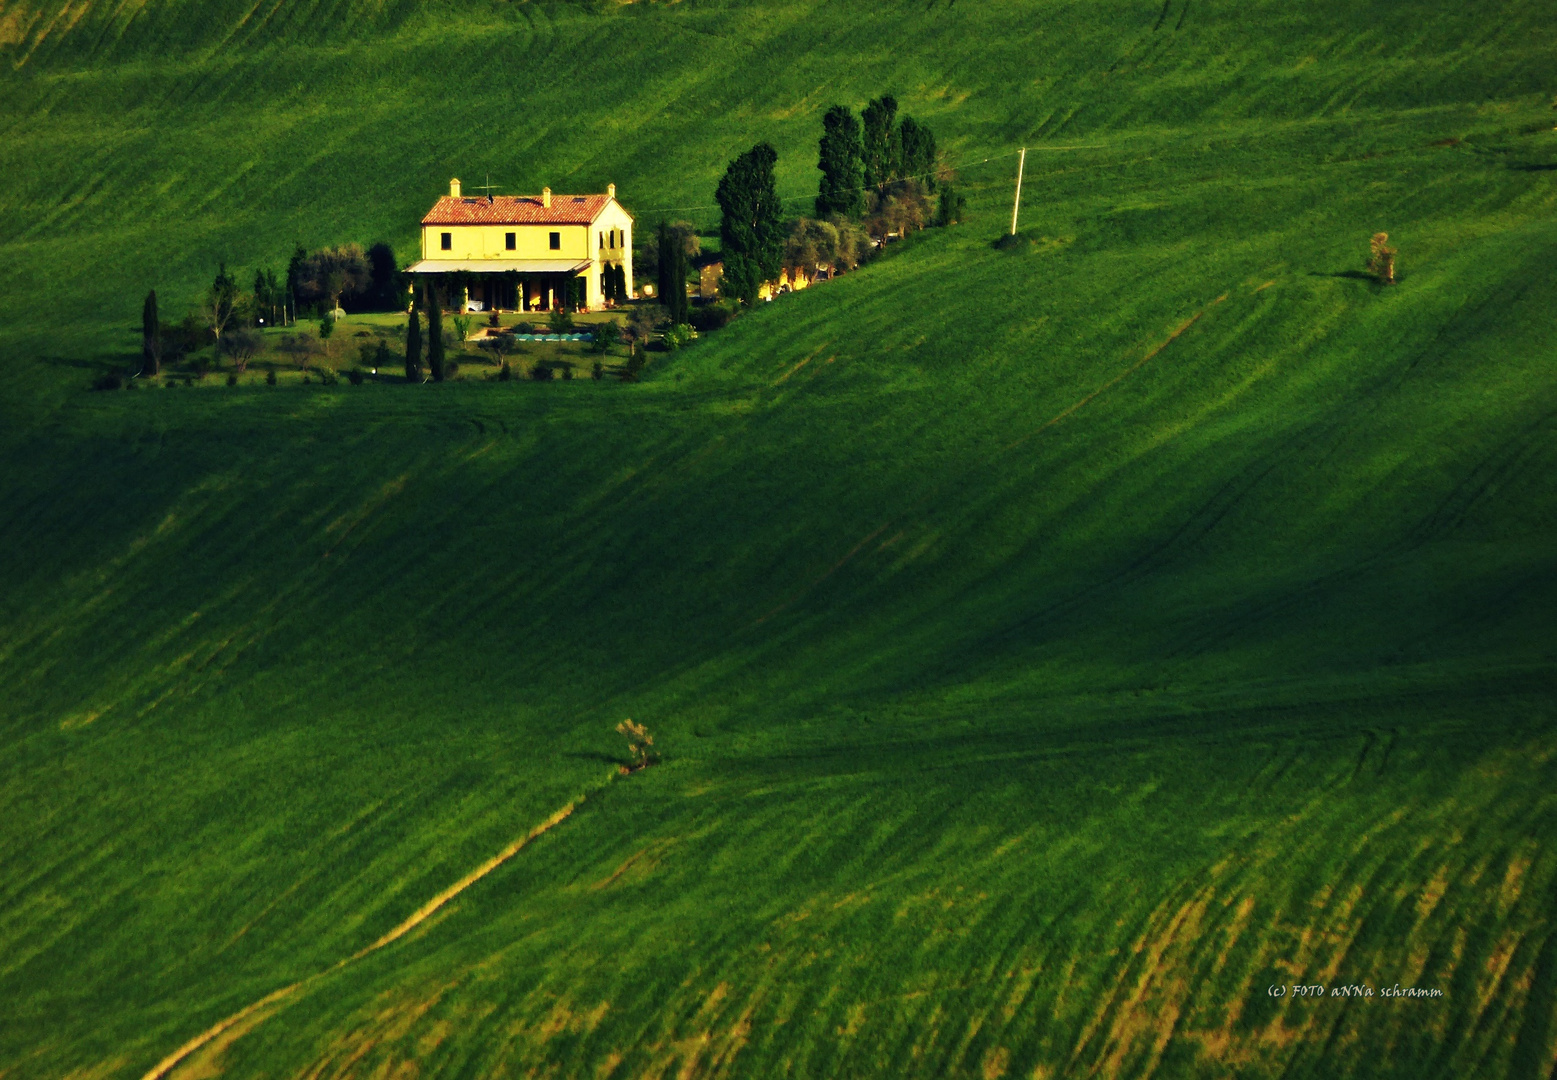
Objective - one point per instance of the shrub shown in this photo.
(567, 372)
(111, 380)
(232, 378)
(492, 318)
(541, 372)
(327, 376)
(170, 383)
(597, 372)
(451, 369)
(560, 322)
(505, 372)
(326, 327)
(461, 324)
(524, 328)
(712, 316)
(678, 335)
(355, 376)
(242, 345)
(270, 377)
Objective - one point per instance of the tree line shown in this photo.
(879, 174)
(316, 283)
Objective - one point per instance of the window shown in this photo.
(602, 241)
(556, 241)
(448, 241)
(509, 241)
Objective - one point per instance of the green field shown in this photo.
(1052, 648)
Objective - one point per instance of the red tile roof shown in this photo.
(516, 210)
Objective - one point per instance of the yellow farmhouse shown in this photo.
(529, 252)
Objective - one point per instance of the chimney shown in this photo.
(546, 197)
(611, 190)
(454, 188)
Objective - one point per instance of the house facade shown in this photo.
(528, 252)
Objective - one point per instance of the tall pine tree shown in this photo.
(678, 277)
(151, 336)
(434, 333)
(882, 142)
(413, 344)
(841, 159)
(751, 231)
(665, 242)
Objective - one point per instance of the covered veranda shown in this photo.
(507, 284)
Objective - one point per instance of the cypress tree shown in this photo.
(751, 230)
(882, 142)
(664, 242)
(151, 336)
(381, 277)
(841, 159)
(413, 345)
(678, 277)
(434, 333)
(295, 276)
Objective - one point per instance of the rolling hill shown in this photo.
(1054, 649)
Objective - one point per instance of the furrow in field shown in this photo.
(251, 1016)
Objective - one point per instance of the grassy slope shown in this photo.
(1054, 648)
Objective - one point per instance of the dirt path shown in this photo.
(166, 1066)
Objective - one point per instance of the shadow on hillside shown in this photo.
(99, 364)
(1542, 166)
(1354, 275)
(593, 755)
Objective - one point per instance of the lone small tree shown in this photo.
(434, 333)
(151, 336)
(841, 159)
(1381, 259)
(413, 345)
(640, 746)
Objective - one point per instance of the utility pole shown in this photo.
(1021, 163)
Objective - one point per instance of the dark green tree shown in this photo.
(151, 336)
(882, 142)
(751, 230)
(918, 143)
(665, 281)
(434, 304)
(951, 205)
(413, 344)
(383, 278)
(295, 270)
(676, 303)
(672, 273)
(841, 160)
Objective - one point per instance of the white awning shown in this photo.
(498, 266)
